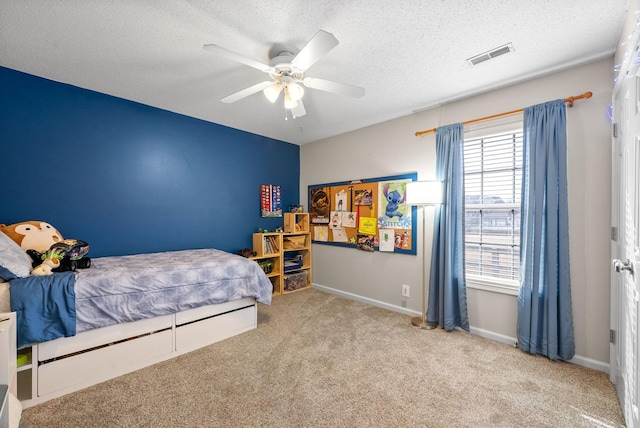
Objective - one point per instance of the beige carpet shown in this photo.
(319, 360)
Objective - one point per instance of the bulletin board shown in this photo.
(365, 214)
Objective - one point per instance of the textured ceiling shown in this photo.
(408, 55)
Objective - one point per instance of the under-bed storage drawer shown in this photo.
(94, 338)
(103, 363)
(210, 330)
(202, 312)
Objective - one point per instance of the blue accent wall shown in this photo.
(129, 178)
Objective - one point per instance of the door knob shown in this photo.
(621, 266)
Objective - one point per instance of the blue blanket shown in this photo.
(45, 307)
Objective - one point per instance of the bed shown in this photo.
(127, 312)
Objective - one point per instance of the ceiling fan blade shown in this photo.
(335, 87)
(238, 58)
(298, 111)
(321, 43)
(246, 92)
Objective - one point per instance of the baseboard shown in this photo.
(577, 360)
(493, 336)
(590, 363)
(372, 302)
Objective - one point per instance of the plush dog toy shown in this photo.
(51, 261)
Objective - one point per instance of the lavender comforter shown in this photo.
(128, 288)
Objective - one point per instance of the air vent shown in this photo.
(501, 50)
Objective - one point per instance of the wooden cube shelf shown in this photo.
(296, 222)
(296, 244)
(273, 248)
(268, 249)
(266, 244)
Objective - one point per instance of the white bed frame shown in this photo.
(69, 364)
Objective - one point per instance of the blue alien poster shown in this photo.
(393, 213)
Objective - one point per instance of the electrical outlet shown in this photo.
(406, 290)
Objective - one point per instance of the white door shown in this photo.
(625, 218)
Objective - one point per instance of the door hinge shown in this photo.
(614, 233)
(612, 336)
(615, 130)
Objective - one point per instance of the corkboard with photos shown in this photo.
(366, 214)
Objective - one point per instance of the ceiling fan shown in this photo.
(287, 74)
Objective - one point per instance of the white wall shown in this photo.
(391, 148)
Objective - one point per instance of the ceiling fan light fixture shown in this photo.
(272, 92)
(286, 71)
(289, 102)
(296, 92)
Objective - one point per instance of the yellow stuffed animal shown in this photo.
(50, 262)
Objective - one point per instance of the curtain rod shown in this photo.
(569, 100)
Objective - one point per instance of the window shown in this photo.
(493, 181)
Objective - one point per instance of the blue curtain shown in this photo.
(545, 317)
(447, 304)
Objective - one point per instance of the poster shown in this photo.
(319, 205)
(394, 213)
(270, 200)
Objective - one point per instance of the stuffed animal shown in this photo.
(38, 238)
(51, 261)
(32, 235)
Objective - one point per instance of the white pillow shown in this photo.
(13, 257)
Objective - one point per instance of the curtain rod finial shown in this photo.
(570, 100)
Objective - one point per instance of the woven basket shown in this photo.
(294, 242)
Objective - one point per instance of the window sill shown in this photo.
(494, 286)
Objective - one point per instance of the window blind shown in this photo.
(493, 181)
